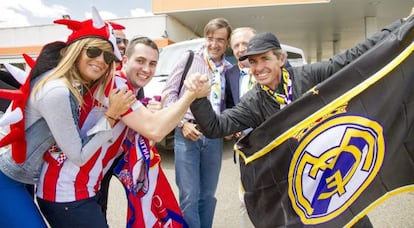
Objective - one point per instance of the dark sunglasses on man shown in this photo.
(121, 40)
(93, 52)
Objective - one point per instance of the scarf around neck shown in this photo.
(284, 96)
(217, 89)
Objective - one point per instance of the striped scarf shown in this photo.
(286, 83)
(217, 89)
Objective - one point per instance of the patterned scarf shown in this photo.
(151, 201)
(286, 89)
(217, 82)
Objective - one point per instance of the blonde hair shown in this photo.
(242, 29)
(67, 69)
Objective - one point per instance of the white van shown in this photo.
(166, 62)
(295, 56)
(171, 53)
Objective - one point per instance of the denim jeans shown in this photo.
(17, 207)
(197, 169)
(82, 213)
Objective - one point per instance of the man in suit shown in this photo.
(239, 80)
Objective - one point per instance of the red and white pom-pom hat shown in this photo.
(95, 27)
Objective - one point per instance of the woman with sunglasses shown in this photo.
(63, 74)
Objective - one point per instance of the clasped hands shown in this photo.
(198, 84)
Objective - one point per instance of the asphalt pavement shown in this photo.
(396, 212)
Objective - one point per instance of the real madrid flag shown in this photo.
(340, 149)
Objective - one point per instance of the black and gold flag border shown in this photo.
(382, 199)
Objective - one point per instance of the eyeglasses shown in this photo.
(93, 52)
(121, 40)
(217, 40)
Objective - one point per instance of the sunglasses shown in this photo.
(93, 52)
(121, 40)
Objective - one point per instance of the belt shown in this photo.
(192, 121)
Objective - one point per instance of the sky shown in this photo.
(16, 13)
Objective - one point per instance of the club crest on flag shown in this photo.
(333, 164)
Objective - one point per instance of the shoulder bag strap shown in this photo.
(186, 68)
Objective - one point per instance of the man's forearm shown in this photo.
(206, 118)
(168, 118)
(341, 60)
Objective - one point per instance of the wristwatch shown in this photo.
(181, 123)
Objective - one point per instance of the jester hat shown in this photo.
(116, 26)
(12, 122)
(95, 27)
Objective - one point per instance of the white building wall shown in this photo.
(151, 26)
(32, 35)
(155, 27)
(177, 31)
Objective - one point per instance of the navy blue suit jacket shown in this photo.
(232, 76)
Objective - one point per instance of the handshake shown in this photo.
(198, 84)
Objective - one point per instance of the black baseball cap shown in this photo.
(261, 43)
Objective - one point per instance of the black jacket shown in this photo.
(256, 105)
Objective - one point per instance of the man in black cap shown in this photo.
(276, 86)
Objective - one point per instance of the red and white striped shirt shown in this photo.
(64, 181)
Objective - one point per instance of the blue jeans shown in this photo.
(17, 206)
(197, 169)
(81, 214)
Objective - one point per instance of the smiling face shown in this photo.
(216, 43)
(93, 68)
(239, 41)
(140, 66)
(266, 68)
